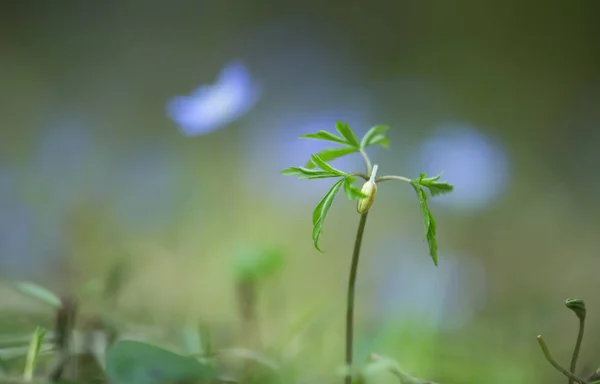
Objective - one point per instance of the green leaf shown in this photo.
(345, 130)
(326, 167)
(352, 192)
(34, 351)
(435, 187)
(257, 265)
(430, 226)
(332, 154)
(39, 293)
(327, 136)
(135, 362)
(307, 174)
(321, 211)
(374, 136)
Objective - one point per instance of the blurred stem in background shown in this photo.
(246, 289)
(247, 301)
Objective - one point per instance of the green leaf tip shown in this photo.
(39, 293)
(577, 306)
(376, 135)
(436, 188)
(324, 135)
(321, 211)
(326, 167)
(347, 133)
(331, 154)
(308, 174)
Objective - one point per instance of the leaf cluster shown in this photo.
(318, 167)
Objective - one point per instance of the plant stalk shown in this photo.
(350, 296)
(367, 161)
(553, 362)
(392, 177)
(577, 347)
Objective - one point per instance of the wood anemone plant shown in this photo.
(318, 168)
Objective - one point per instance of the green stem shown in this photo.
(392, 177)
(367, 161)
(350, 296)
(557, 366)
(361, 175)
(577, 347)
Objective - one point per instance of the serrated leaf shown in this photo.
(346, 132)
(429, 221)
(327, 136)
(321, 210)
(307, 174)
(39, 293)
(326, 167)
(332, 154)
(435, 187)
(352, 192)
(375, 135)
(135, 362)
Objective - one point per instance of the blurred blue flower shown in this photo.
(211, 107)
(475, 163)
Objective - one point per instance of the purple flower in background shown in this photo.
(475, 163)
(211, 107)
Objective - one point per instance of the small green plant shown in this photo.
(578, 308)
(318, 168)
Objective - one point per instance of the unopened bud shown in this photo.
(577, 306)
(369, 189)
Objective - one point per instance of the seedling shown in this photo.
(319, 168)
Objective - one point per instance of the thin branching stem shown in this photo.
(367, 161)
(361, 175)
(553, 362)
(392, 177)
(350, 296)
(577, 347)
